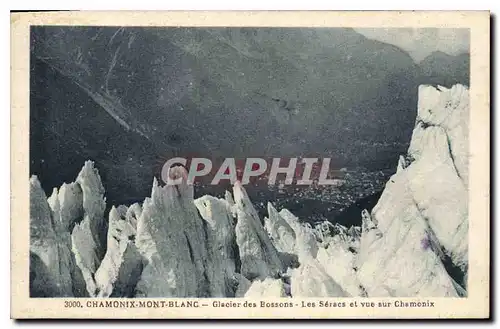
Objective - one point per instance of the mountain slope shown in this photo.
(130, 98)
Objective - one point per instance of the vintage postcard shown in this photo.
(285, 165)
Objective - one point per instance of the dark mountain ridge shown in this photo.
(130, 98)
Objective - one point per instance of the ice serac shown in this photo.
(88, 236)
(337, 254)
(266, 288)
(282, 236)
(291, 219)
(439, 175)
(222, 248)
(414, 243)
(259, 257)
(53, 271)
(284, 229)
(314, 266)
(66, 204)
(122, 265)
(421, 221)
(395, 258)
(449, 110)
(173, 239)
(243, 285)
(133, 213)
(311, 279)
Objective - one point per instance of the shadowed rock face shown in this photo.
(129, 98)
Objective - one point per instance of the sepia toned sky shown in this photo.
(420, 43)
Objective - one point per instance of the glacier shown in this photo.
(414, 243)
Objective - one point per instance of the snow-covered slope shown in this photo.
(413, 243)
